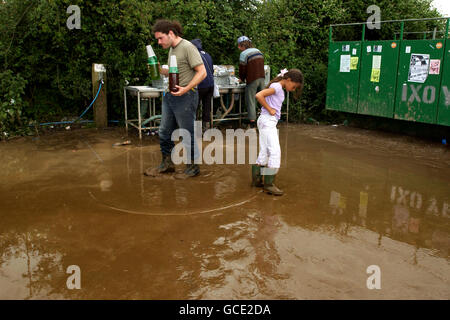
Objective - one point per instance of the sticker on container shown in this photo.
(376, 62)
(408, 49)
(99, 68)
(377, 48)
(354, 63)
(375, 76)
(439, 45)
(418, 67)
(369, 49)
(435, 66)
(346, 48)
(354, 52)
(394, 45)
(345, 63)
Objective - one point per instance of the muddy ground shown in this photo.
(353, 198)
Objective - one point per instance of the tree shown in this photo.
(46, 68)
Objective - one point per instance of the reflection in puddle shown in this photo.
(400, 205)
(25, 267)
(343, 211)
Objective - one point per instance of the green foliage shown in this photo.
(11, 103)
(46, 68)
(295, 34)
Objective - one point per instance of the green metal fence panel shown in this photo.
(343, 76)
(378, 78)
(418, 86)
(444, 97)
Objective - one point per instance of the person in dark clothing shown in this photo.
(206, 87)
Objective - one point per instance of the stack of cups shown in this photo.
(174, 77)
(153, 63)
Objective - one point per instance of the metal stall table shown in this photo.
(223, 77)
(223, 90)
(143, 92)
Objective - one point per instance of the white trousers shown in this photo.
(269, 144)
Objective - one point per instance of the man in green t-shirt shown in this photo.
(179, 108)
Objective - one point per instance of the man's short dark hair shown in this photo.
(165, 26)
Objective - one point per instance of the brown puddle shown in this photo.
(353, 198)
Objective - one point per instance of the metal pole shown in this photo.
(443, 61)
(139, 115)
(401, 30)
(363, 32)
(240, 109)
(154, 112)
(400, 45)
(287, 115)
(211, 114)
(126, 112)
(446, 29)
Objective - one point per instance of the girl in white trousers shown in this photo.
(271, 98)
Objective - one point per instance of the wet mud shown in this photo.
(353, 199)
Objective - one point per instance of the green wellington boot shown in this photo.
(257, 179)
(269, 187)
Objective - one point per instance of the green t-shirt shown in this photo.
(188, 58)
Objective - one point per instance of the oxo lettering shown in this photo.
(447, 95)
(426, 95)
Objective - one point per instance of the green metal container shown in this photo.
(343, 76)
(444, 97)
(417, 88)
(401, 79)
(378, 78)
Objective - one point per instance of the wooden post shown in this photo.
(100, 105)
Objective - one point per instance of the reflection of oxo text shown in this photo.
(400, 196)
(415, 200)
